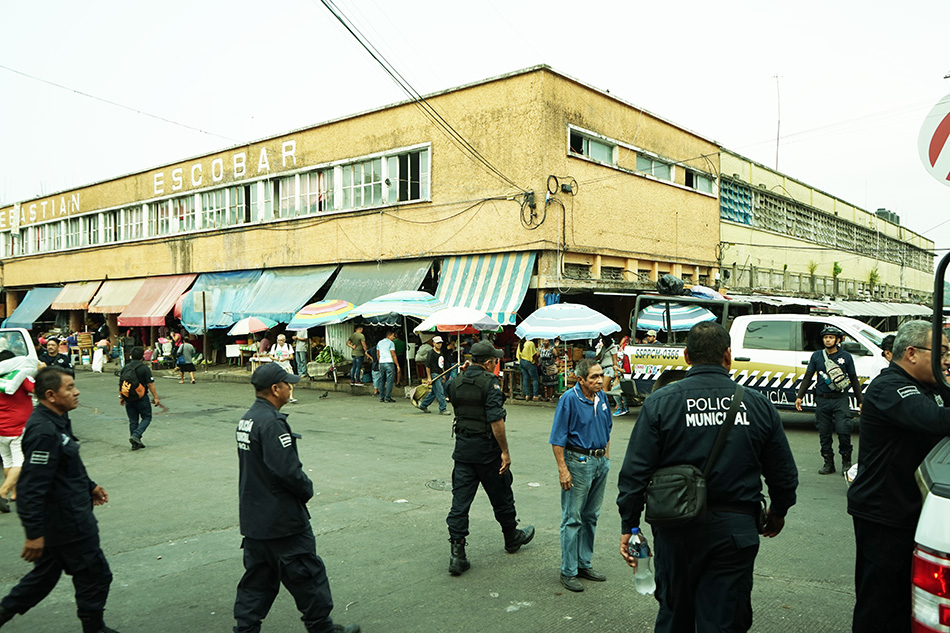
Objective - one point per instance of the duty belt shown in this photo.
(591, 452)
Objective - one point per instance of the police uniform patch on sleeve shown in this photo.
(285, 440)
(906, 392)
(41, 458)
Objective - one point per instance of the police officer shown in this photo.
(278, 544)
(481, 455)
(902, 419)
(704, 569)
(832, 409)
(51, 357)
(54, 499)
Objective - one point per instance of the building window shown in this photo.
(654, 167)
(213, 209)
(184, 209)
(159, 218)
(132, 228)
(91, 229)
(698, 181)
(363, 184)
(287, 194)
(110, 225)
(592, 148)
(238, 210)
(408, 177)
(72, 233)
(40, 244)
(316, 191)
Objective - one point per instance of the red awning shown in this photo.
(154, 300)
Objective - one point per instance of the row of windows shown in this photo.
(385, 180)
(604, 152)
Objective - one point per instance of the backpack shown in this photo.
(130, 388)
(837, 379)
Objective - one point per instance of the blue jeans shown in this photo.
(137, 409)
(529, 379)
(437, 393)
(356, 370)
(387, 378)
(580, 507)
(301, 363)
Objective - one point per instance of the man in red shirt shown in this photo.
(15, 408)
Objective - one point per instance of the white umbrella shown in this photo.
(458, 320)
(567, 321)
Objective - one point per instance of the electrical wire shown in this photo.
(427, 109)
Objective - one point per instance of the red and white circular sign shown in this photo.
(934, 141)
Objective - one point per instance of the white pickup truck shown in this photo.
(769, 351)
(18, 341)
(931, 576)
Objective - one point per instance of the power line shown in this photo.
(113, 103)
(428, 110)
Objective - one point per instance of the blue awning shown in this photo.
(358, 283)
(280, 293)
(493, 284)
(229, 294)
(34, 304)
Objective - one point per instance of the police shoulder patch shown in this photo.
(40, 458)
(285, 440)
(906, 392)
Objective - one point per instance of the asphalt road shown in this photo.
(170, 530)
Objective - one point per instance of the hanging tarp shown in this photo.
(358, 283)
(280, 293)
(227, 293)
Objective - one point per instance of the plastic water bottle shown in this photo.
(643, 575)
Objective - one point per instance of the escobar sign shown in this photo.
(932, 142)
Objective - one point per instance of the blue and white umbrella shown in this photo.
(567, 321)
(682, 317)
(414, 303)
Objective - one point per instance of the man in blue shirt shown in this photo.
(832, 409)
(580, 437)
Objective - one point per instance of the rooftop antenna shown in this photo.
(778, 119)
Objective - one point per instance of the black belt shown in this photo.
(752, 509)
(590, 452)
(833, 395)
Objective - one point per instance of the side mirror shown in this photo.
(855, 349)
(936, 342)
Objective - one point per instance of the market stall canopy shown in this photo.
(76, 296)
(414, 303)
(115, 295)
(229, 293)
(321, 313)
(154, 300)
(567, 321)
(464, 320)
(682, 317)
(34, 304)
(493, 284)
(880, 309)
(358, 283)
(280, 293)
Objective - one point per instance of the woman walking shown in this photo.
(527, 359)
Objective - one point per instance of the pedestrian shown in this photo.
(547, 364)
(704, 568)
(279, 546)
(301, 349)
(836, 373)
(51, 356)
(580, 438)
(389, 370)
(16, 405)
(435, 367)
(650, 338)
(527, 355)
(372, 357)
(185, 361)
(135, 382)
(422, 354)
(55, 497)
(902, 419)
(282, 353)
(607, 352)
(358, 349)
(481, 455)
(887, 347)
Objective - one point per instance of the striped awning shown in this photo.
(76, 296)
(493, 284)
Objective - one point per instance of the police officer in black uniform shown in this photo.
(278, 544)
(54, 499)
(704, 568)
(481, 455)
(51, 357)
(902, 419)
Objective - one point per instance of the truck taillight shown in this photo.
(931, 592)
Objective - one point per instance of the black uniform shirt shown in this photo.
(272, 486)
(60, 360)
(679, 424)
(54, 493)
(902, 419)
(479, 450)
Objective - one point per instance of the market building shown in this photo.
(519, 189)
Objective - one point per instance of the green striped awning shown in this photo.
(494, 284)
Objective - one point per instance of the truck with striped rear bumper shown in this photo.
(770, 352)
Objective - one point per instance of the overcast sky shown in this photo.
(856, 78)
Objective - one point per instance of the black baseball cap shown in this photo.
(485, 350)
(271, 374)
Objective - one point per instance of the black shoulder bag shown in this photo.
(677, 494)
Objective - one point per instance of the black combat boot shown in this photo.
(829, 466)
(845, 464)
(457, 562)
(516, 538)
(5, 616)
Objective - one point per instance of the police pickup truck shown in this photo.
(769, 351)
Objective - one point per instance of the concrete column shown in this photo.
(630, 270)
(595, 267)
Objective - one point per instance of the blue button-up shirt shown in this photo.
(581, 422)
